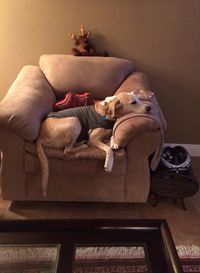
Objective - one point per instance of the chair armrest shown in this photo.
(27, 102)
(129, 126)
(138, 175)
(12, 174)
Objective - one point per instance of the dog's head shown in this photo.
(121, 104)
(130, 103)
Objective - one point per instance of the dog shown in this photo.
(63, 129)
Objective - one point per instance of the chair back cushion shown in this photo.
(101, 76)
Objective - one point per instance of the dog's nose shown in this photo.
(148, 108)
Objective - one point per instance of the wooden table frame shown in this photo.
(154, 234)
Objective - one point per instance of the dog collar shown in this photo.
(104, 117)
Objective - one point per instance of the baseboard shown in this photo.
(193, 149)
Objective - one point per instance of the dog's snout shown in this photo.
(148, 108)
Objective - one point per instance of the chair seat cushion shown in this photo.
(88, 161)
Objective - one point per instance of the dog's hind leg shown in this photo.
(74, 148)
(73, 130)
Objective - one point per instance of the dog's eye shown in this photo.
(134, 102)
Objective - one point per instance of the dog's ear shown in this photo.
(113, 106)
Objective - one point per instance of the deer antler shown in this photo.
(82, 30)
(73, 36)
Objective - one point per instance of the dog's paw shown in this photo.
(109, 161)
(107, 169)
(114, 146)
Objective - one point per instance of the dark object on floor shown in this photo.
(174, 177)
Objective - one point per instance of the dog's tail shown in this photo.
(43, 165)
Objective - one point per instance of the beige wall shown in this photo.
(161, 37)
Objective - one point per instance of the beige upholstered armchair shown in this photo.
(80, 177)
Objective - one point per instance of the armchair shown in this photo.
(80, 177)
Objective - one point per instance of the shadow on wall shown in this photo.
(101, 43)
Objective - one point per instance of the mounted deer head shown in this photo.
(83, 46)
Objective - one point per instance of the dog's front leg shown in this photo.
(108, 165)
(113, 144)
(95, 140)
(109, 160)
